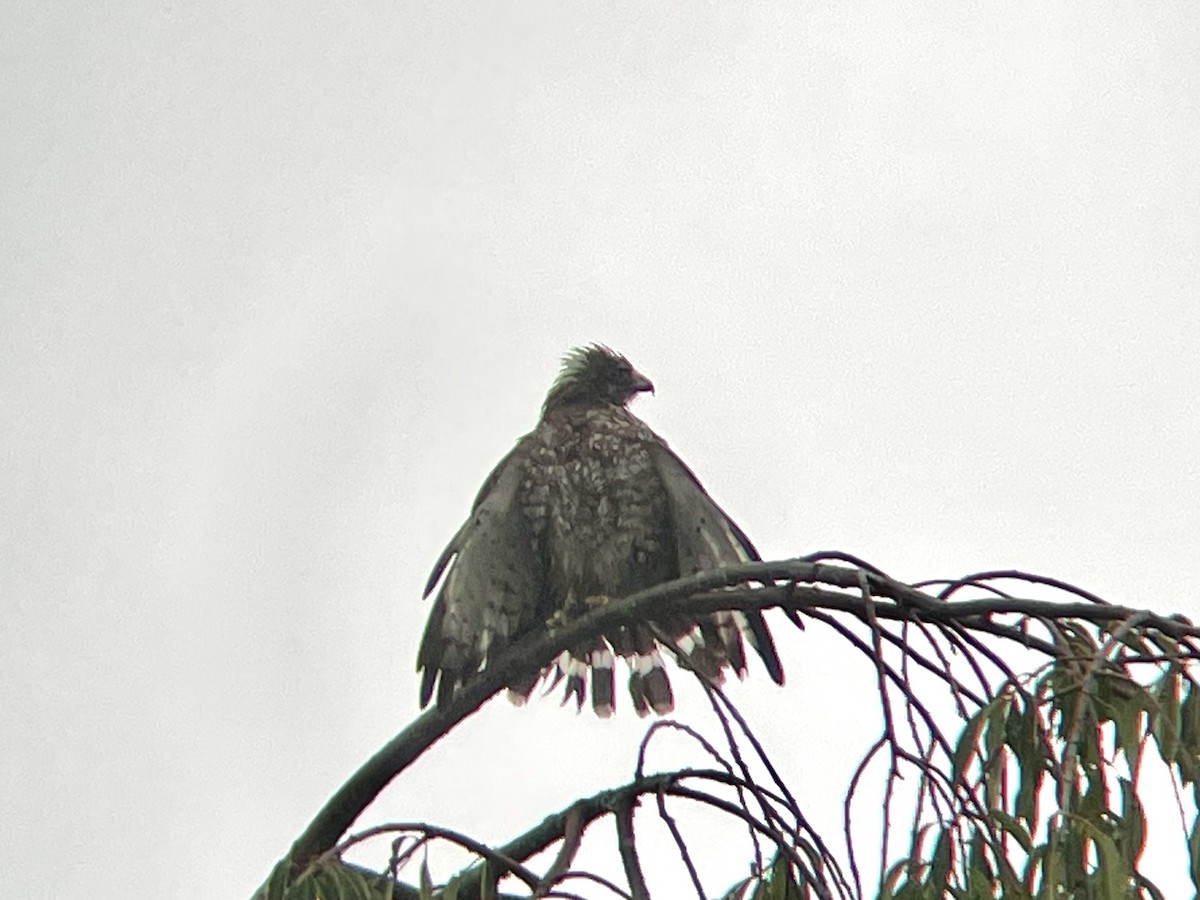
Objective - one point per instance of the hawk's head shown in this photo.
(594, 375)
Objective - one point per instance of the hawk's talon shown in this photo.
(595, 601)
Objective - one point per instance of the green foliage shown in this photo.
(777, 882)
(1047, 780)
(326, 880)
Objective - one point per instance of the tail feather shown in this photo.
(602, 682)
(731, 640)
(710, 646)
(759, 637)
(704, 647)
(445, 689)
(648, 684)
(658, 691)
(428, 677)
(520, 689)
(573, 669)
(736, 627)
(692, 640)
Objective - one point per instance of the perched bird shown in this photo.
(590, 505)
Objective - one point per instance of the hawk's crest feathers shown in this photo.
(596, 375)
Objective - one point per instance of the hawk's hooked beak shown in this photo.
(641, 382)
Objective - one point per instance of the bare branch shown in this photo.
(790, 586)
(627, 845)
(680, 843)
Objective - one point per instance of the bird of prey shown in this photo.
(590, 505)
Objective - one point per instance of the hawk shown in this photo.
(590, 505)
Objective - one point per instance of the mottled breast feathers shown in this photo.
(590, 505)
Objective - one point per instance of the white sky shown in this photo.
(282, 282)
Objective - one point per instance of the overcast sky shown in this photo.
(281, 282)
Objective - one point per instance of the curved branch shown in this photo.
(721, 589)
(586, 811)
(501, 861)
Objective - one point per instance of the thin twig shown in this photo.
(847, 805)
(680, 843)
(502, 861)
(588, 876)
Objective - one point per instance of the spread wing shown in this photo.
(491, 587)
(706, 538)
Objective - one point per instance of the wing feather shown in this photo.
(490, 584)
(706, 538)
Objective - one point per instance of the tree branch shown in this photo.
(706, 592)
(627, 845)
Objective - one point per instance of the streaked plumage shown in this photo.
(589, 505)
